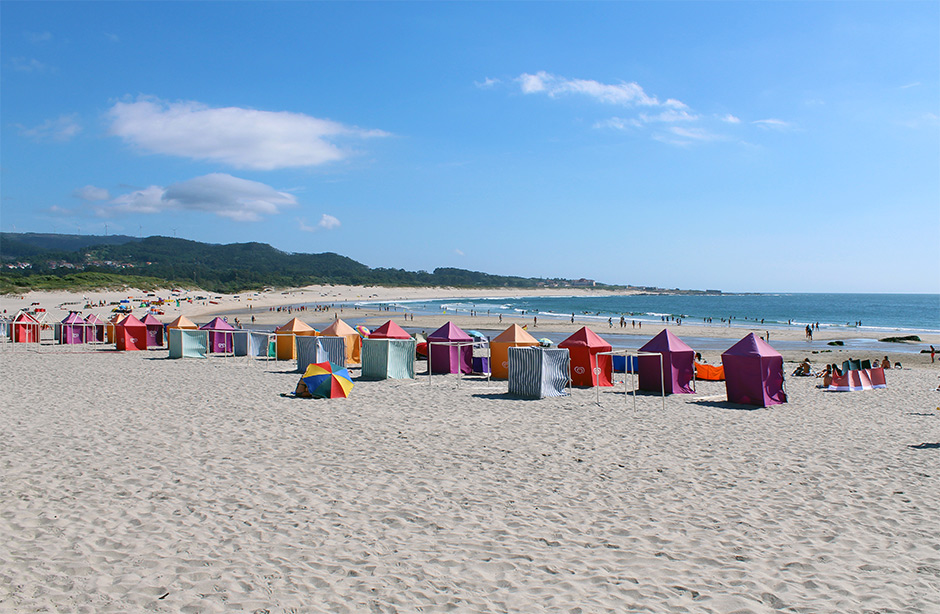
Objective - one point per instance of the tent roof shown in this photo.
(515, 334)
(449, 332)
(149, 320)
(181, 322)
(339, 329)
(73, 318)
(131, 321)
(751, 345)
(217, 324)
(295, 325)
(93, 319)
(665, 341)
(584, 337)
(389, 330)
(23, 316)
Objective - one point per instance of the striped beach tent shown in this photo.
(513, 336)
(188, 343)
(388, 358)
(537, 372)
(252, 343)
(311, 350)
(858, 379)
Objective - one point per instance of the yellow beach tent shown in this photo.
(513, 336)
(287, 335)
(353, 341)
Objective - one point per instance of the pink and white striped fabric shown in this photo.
(862, 379)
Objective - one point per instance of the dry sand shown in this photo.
(132, 483)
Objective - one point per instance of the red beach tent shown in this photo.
(754, 373)
(24, 328)
(677, 360)
(130, 334)
(389, 330)
(583, 347)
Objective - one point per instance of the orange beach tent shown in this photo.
(353, 341)
(182, 322)
(287, 338)
(512, 337)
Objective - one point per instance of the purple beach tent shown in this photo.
(450, 350)
(95, 329)
(73, 329)
(754, 373)
(154, 331)
(221, 336)
(678, 359)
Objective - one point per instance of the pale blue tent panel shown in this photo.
(320, 349)
(185, 343)
(537, 372)
(249, 343)
(388, 358)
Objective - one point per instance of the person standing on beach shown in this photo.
(932, 352)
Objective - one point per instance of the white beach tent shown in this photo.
(388, 358)
(311, 350)
(537, 372)
(187, 343)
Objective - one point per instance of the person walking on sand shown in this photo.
(932, 352)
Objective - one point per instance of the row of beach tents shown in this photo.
(752, 370)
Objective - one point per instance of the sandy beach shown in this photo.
(135, 483)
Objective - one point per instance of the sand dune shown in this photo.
(135, 483)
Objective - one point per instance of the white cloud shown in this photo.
(304, 226)
(243, 138)
(38, 37)
(669, 116)
(730, 119)
(90, 193)
(773, 124)
(487, 83)
(619, 123)
(625, 94)
(218, 193)
(328, 222)
(22, 64)
(458, 252)
(62, 128)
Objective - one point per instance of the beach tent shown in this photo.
(182, 322)
(753, 373)
(73, 329)
(311, 350)
(512, 337)
(130, 334)
(221, 337)
(95, 330)
(450, 350)
(388, 358)
(353, 340)
(4, 327)
(251, 343)
(287, 335)
(537, 372)
(389, 330)
(858, 379)
(111, 326)
(187, 343)
(24, 328)
(583, 347)
(154, 331)
(677, 360)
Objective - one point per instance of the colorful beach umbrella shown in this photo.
(324, 380)
(363, 331)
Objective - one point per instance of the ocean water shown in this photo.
(901, 313)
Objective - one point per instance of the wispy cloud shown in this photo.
(38, 37)
(328, 222)
(487, 83)
(218, 193)
(773, 124)
(458, 252)
(728, 118)
(239, 137)
(61, 128)
(90, 193)
(21, 64)
(114, 38)
(623, 93)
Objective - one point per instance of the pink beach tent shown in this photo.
(221, 336)
(95, 330)
(753, 373)
(389, 330)
(450, 350)
(130, 334)
(154, 331)
(583, 347)
(73, 329)
(677, 360)
(859, 379)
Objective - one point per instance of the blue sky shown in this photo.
(763, 146)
